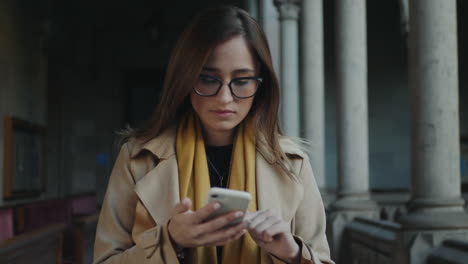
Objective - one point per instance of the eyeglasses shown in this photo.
(242, 88)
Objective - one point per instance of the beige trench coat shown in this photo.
(146, 176)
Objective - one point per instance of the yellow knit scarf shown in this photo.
(194, 182)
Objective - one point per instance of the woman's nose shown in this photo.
(225, 94)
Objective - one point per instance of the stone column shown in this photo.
(313, 112)
(289, 64)
(268, 17)
(435, 149)
(252, 7)
(353, 154)
(435, 211)
(404, 17)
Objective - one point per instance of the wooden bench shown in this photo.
(40, 246)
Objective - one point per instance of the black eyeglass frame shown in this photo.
(259, 79)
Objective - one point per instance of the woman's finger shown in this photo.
(222, 235)
(259, 218)
(204, 212)
(272, 231)
(236, 237)
(181, 207)
(267, 223)
(250, 215)
(219, 222)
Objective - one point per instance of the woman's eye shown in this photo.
(208, 80)
(242, 82)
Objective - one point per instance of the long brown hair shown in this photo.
(191, 52)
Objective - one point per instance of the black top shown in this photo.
(219, 161)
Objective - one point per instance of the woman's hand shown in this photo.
(188, 228)
(273, 235)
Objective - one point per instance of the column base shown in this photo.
(342, 212)
(434, 221)
(415, 246)
(354, 203)
(428, 223)
(429, 214)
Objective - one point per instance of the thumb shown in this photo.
(183, 206)
(187, 203)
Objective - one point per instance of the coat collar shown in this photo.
(159, 188)
(162, 146)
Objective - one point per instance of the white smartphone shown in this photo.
(230, 200)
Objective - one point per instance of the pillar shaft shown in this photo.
(268, 17)
(435, 149)
(252, 8)
(289, 61)
(353, 154)
(313, 85)
(351, 61)
(434, 93)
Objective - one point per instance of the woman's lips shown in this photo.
(223, 113)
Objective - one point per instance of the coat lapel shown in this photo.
(159, 190)
(276, 191)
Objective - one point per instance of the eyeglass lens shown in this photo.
(240, 87)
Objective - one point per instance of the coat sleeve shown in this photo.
(310, 222)
(114, 240)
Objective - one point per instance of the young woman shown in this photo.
(216, 125)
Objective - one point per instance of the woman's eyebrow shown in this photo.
(242, 70)
(210, 69)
